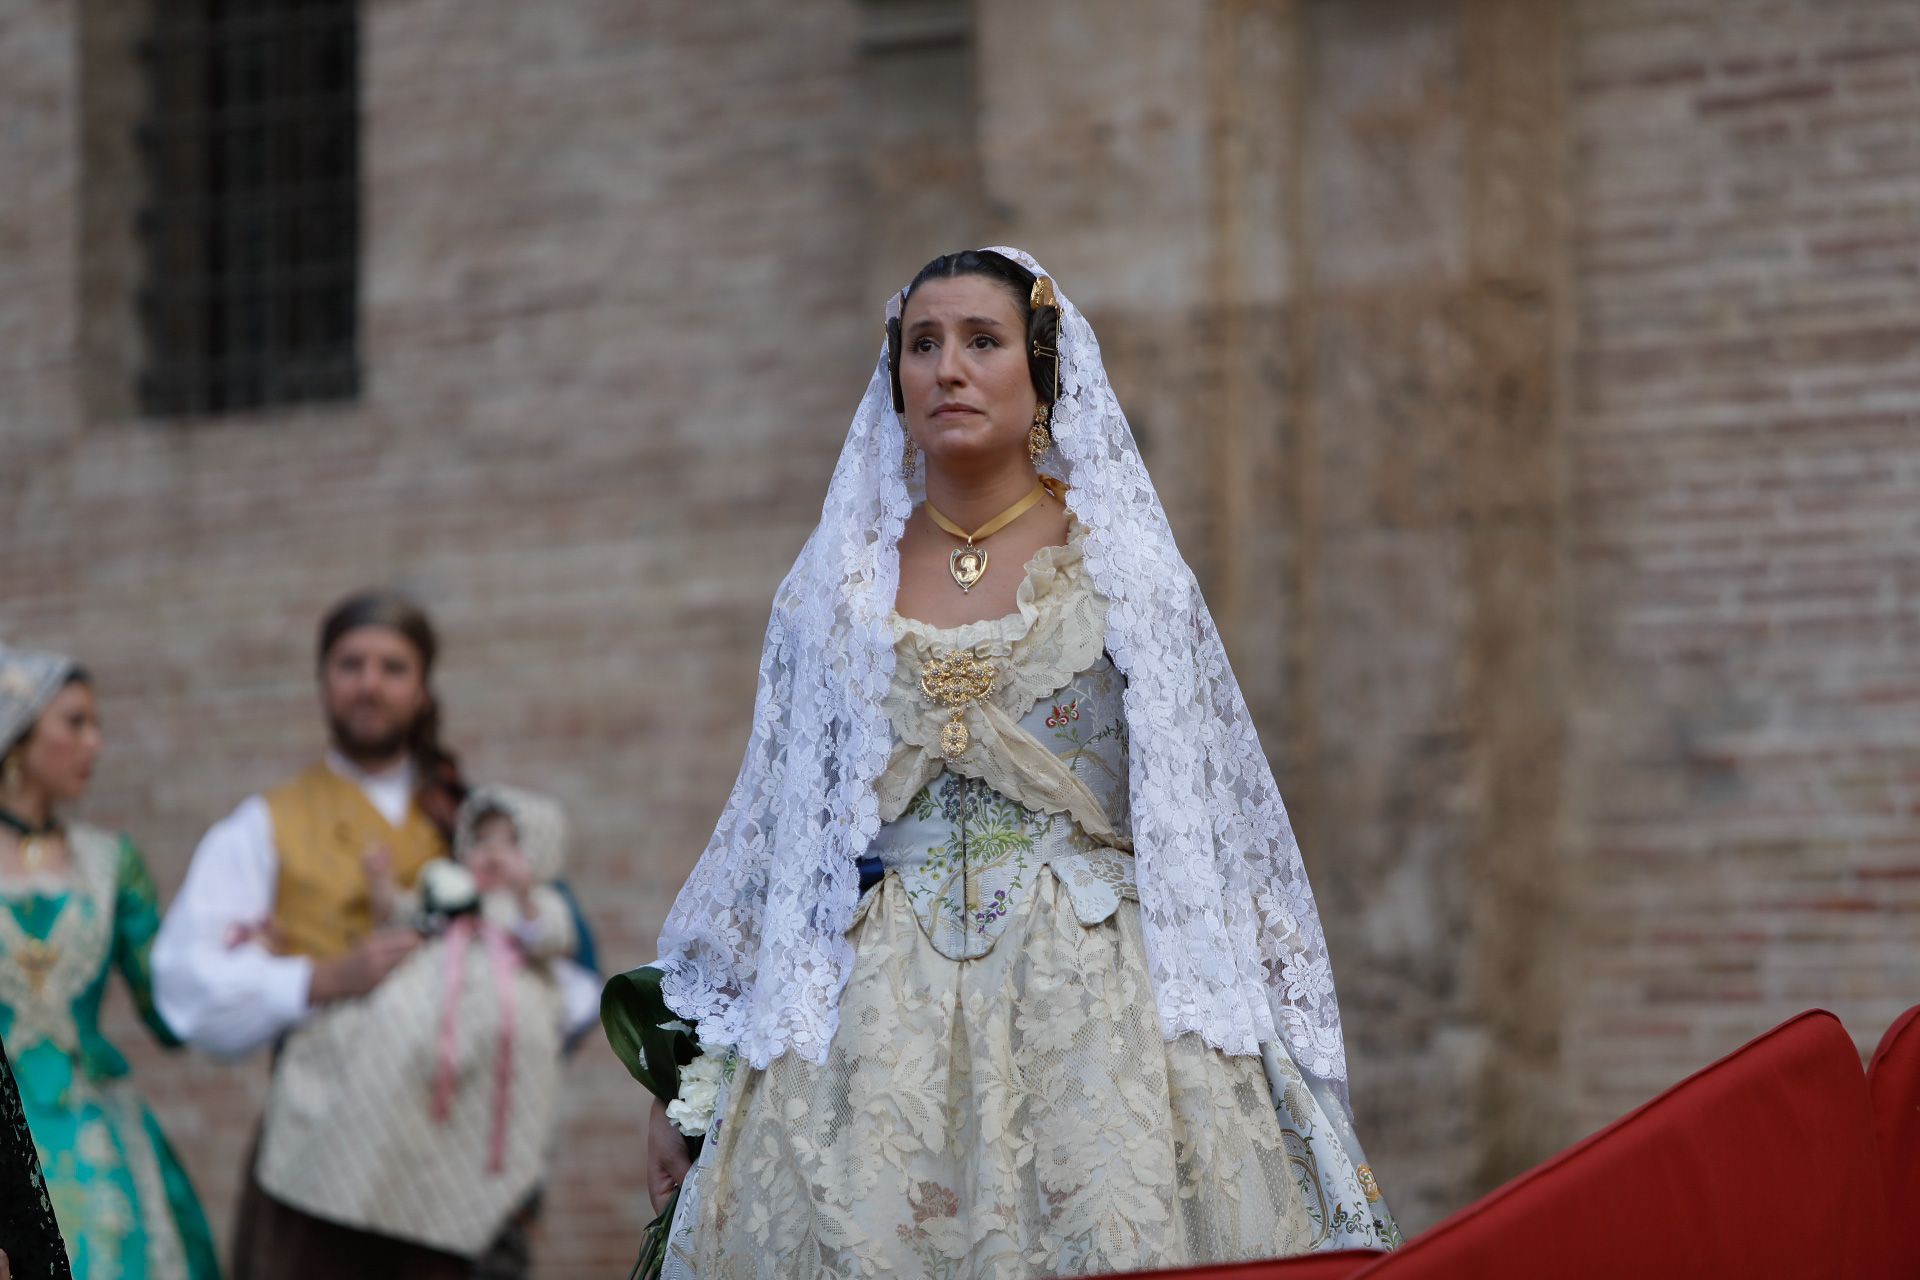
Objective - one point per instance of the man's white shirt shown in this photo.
(228, 997)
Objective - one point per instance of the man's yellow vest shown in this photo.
(322, 826)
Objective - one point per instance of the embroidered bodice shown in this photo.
(58, 942)
(1042, 781)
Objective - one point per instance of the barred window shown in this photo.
(251, 231)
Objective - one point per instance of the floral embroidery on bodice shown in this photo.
(125, 1206)
(1042, 781)
(54, 942)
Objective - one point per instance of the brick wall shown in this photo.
(1745, 454)
(1534, 387)
(615, 320)
(1322, 253)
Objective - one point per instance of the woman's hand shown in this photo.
(667, 1160)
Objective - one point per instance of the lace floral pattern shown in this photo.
(998, 1099)
(755, 948)
(1019, 1114)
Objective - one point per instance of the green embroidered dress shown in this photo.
(124, 1203)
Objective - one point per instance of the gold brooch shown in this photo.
(956, 682)
(37, 959)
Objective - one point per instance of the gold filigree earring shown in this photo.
(1039, 438)
(908, 455)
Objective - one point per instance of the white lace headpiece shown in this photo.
(755, 948)
(28, 682)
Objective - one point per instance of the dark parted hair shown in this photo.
(1043, 323)
(441, 783)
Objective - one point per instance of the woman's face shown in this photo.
(963, 372)
(58, 756)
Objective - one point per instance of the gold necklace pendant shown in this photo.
(968, 564)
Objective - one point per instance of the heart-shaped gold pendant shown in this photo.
(968, 565)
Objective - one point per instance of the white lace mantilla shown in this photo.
(755, 947)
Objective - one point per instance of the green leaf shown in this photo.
(653, 1245)
(634, 1015)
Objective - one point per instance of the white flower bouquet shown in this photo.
(700, 1081)
(664, 1054)
(447, 889)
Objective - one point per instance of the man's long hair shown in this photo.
(440, 782)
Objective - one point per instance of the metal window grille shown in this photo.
(252, 228)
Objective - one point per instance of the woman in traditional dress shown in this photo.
(1004, 931)
(75, 903)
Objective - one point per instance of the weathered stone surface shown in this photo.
(1535, 388)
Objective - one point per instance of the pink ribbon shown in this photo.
(504, 958)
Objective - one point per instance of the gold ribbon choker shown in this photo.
(968, 564)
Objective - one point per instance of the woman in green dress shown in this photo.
(76, 902)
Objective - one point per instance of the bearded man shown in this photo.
(275, 917)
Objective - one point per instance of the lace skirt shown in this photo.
(1016, 1114)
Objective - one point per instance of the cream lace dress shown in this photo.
(998, 1099)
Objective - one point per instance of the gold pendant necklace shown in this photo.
(968, 564)
(32, 836)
